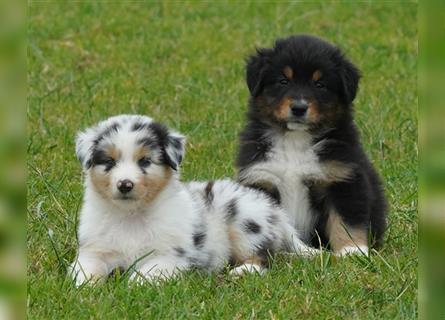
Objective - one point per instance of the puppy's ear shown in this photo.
(350, 76)
(84, 147)
(174, 149)
(255, 70)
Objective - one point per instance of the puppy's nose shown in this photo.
(125, 186)
(299, 107)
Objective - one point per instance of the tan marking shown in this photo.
(141, 152)
(282, 110)
(254, 260)
(340, 235)
(112, 151)
(288, 72)
(100, 179)
(316, 75)
(313, 112)
(337, 171)
(149, 185)
(101, 182)
(235, 250)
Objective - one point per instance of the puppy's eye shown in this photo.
(319, 84)
(144, 162)
(284, 81)
(109, 163)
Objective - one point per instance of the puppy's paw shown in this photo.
(247, 268)
(153, 277)
(309, 252)
(88, 272)
(80, 277)
(360, 250)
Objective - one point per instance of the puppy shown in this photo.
(301, 146)
(136, 213)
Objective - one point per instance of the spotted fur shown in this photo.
(137, 213)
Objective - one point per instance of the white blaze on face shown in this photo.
(127, 167)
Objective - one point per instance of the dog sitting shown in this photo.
(301, 146)
(137, 213)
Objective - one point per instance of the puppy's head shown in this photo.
(129, 159)
(303, 82)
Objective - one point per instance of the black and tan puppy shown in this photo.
(301, 145)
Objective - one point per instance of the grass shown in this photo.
(184, 64)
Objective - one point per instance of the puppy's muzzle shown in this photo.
(299, 108)
(125, 186)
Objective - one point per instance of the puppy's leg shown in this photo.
(158, 268)
(294, 244)
(345, 239)
(88, 267)
(300, 248)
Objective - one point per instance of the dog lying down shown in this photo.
(136, 213)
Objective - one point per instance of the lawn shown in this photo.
(184, 64)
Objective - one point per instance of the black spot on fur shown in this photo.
(252, 227)
(271, 191)
(180, 252)
(107, 132)
(199, 238)
(208, 193)
(138, 126)
(265, 251)
(164, 139)
(231, 210)
(99, 157)
(149, 142)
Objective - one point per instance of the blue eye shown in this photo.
(144, 162)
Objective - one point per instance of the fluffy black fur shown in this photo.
(359, 200)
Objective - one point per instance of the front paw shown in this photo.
(349, 250)
(153, 276)
(83, 276)
(309, 252)
(246, 268)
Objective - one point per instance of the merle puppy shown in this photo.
(301, 146)
(137, 214)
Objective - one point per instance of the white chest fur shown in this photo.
(290, 161)
(127, 236)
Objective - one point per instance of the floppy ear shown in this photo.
(174, 149)
(255, 70)
(350, 76)
(84, 147)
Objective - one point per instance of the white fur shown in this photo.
(291, 159)
(362, 249)
(156, 238)
(247, 268)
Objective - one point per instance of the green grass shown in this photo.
(184, 65)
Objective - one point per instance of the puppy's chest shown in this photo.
(129, 236)
(294, 161)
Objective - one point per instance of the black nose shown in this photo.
(299, 108)
(125, 186)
